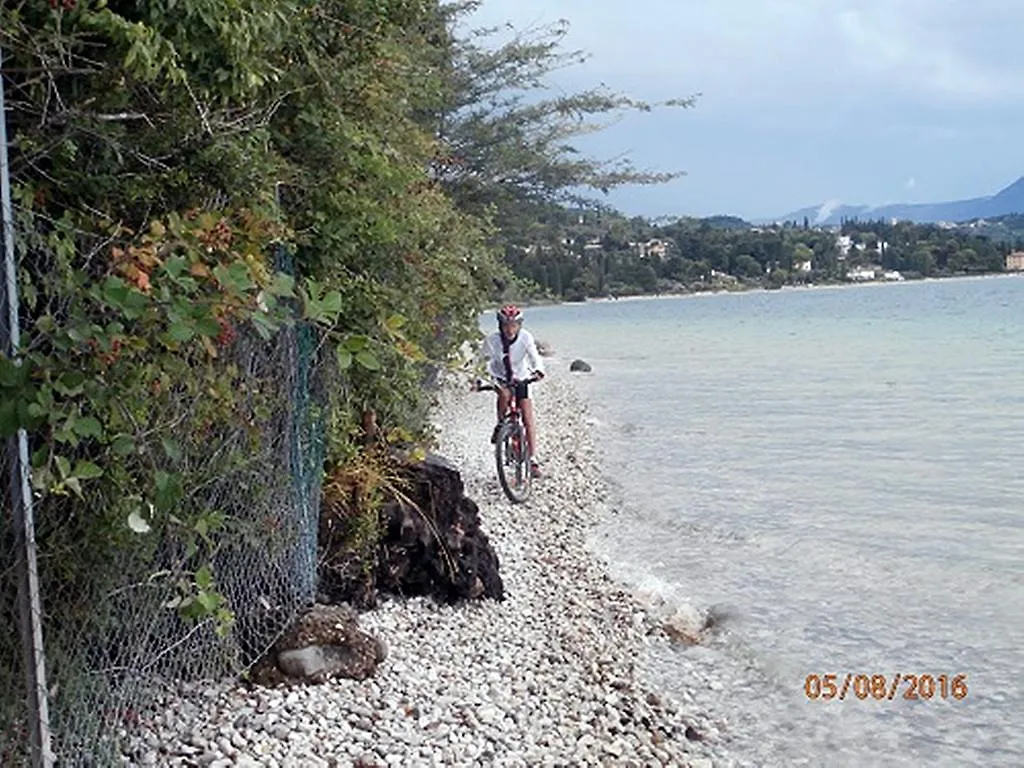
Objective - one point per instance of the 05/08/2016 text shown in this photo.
(884, 687)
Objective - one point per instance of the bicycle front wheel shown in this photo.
(512, 457)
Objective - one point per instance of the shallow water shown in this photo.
(838, 471)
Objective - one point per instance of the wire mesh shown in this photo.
(14, 723)
(112, 626)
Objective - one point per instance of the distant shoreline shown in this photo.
(785, 288)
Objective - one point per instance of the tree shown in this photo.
(507, 148)
(747, 266)
(167, 160)
(922, 261)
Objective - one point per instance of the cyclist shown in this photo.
(511, 355)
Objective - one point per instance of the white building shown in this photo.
(863, 273)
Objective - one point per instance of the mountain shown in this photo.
(1007, 200)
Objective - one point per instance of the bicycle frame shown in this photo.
(512, 449)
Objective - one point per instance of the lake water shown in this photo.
(839, 472)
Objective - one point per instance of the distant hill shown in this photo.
(1008, 200)
(1001, 229)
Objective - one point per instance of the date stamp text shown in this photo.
(885, 687)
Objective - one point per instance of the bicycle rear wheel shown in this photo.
(512, 457)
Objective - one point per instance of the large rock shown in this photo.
(580, 366)
(324, 642)
(429, 543)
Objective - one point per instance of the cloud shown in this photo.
(801, 100)
(792, 52)
(933, 49)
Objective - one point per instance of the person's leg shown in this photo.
(504, 395)
(502, 405)
(526, 406)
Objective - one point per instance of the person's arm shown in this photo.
(536, 361)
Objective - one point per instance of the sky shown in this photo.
(801, 102)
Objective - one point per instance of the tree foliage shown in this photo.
(194, 176)
(191, 172)
(574, 253)
(508, 146)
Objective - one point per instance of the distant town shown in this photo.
(576, 255)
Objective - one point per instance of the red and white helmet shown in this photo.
(510, 313)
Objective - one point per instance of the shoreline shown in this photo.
(549, 676)
(785, 288)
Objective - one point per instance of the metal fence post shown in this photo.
(29, 604)
(304, 458)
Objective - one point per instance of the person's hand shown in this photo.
(538, 375)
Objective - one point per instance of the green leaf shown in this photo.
(70, 383)
(122, 445)
(180, 331)
(310, 309)
(11, 374)
(9, 423)
(161, 478)
(39, 456)
(241, 276)
(208, 600)
(63, 466)
(225, 619)
(234, 278)
(115, 292)
(208, 326)
(356, 343)
(137, 524)
(46, 324)
(135, 303)
(86, 470)
(27, 418)
(283, 285)
(368, 360)
(174, 266)
(169, 489)
(74, 485)
(88, 426)
(331, 303)
(394, 323)
(344, 358)
(204, 577)
(265, 327)
(171, 448)
(189, 608)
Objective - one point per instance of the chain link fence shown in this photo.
(110, 607)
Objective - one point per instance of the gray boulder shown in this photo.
(323, 643)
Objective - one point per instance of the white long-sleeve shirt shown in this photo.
(523, 355)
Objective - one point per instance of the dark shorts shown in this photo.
(522, 390)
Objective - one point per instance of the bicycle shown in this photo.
(511, 448)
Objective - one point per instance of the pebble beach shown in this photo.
(551, 676)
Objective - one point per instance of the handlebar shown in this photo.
(483, 385)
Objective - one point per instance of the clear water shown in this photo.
(841, 470)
